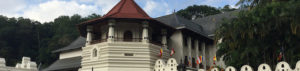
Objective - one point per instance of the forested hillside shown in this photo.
(25, 37)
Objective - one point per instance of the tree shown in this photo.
(227, 8)
(253, 3)
(198, 11)
(24, 37)
(257, 36)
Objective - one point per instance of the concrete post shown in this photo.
(89, 35)
(111, 31)
(189, 40)
(164, 37)
(145, 38)
(197, 51)
(204, 56)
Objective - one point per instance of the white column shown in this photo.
(197, 51)
(164, 38)
(89, 35)
(111, 31)
(189, 40)
(203, 54)
(145, 37)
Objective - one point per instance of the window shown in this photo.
(127, 36)
(96, 36)
(128, 54)
(95, 52)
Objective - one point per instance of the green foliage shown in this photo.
(227, 8)
(257, 35)
(24, 37)
(198, 11)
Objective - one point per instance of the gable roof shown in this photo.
(77, 44)
(179, 22)
(210, 23)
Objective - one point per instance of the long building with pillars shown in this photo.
(127, 39)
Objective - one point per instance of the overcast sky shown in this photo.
(47, 10)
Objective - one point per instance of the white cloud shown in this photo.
(10, 8)
(50, 10)
(150, 6)
(86, 1)
(155, 9)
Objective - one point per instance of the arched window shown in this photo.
(94, 52)
(127, 36)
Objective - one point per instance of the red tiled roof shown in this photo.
(127, 9)
(124, 9)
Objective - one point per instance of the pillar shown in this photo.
(89, 35)
(196, 43)
(189, 40)
(145, 36)
(203, 54)
(164, 37)
(111, 31)
(2, 62)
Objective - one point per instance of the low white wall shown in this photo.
(161, 65)
(281, 66)
(25, 65)
(171, 65)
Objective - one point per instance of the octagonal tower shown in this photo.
(125, 39)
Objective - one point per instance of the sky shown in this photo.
(48, 10)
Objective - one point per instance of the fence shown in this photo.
(171, 65)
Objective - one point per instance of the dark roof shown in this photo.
(210, 23)
(179, 22)
(68, 63)
(78, 43)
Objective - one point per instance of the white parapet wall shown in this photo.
(171, 65)
(26, 65)
(281, 66)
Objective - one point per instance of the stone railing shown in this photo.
(170, 66)
(281, 66)
(25, 65)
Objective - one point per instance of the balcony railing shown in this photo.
(98, 41)
(126, 40)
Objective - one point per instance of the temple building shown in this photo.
(127, 39)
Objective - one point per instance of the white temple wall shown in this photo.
(70, 54)
(124, 56)
(26, 65)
